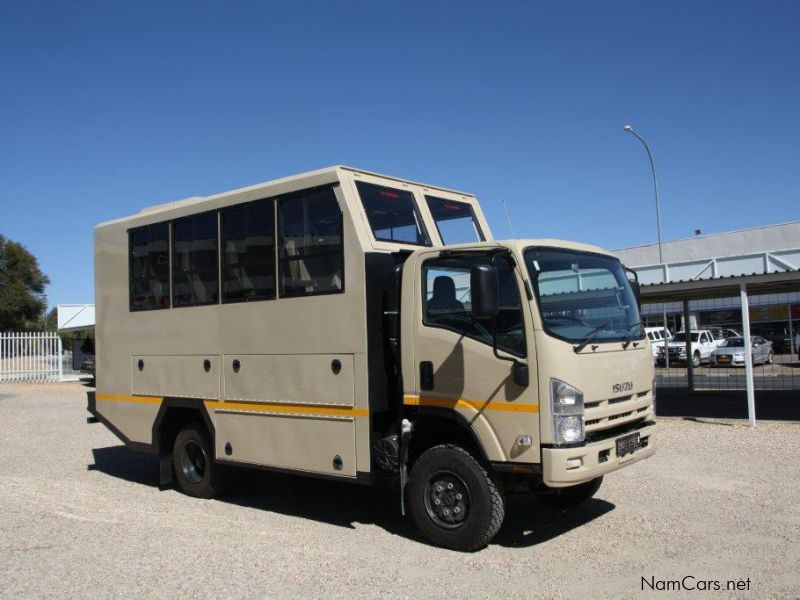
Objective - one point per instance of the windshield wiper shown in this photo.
(589, 337)
(626, 340)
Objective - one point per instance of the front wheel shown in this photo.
(770, 358)
(454, 501)
(569, 496)
(696, 359)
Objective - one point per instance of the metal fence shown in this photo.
(34, 357)
(719, 364)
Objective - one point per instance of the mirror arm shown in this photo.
(494, 344)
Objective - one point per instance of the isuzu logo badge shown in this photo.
(625, 386)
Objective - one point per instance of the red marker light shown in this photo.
(452, 207)
(390, 195)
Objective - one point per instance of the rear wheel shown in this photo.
(192, 460)
(453, 499)
(568, 496)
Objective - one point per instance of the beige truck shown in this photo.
(349, 325)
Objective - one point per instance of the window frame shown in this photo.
(279, 200)
(172, 223)
(478, 229)
(417, 214)
(130, 232)
(424, 288)
(272, 200)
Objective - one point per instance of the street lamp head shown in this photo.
(628, 128)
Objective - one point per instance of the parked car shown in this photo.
(702, 345)
(656, 337)
(732, 352)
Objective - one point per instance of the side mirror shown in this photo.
(633, 278)
(484, 291)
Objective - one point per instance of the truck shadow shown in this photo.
(528, 522)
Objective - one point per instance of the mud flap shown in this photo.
(165, 475)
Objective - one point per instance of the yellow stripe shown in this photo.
(474, 404)
(273, 407)
(285, 407)
(117, 398)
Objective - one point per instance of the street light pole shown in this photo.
(630, 130)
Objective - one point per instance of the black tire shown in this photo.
(476, 506)
(569, 496)
(696, 360)
(192, 460)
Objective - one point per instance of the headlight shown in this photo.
(567, 410)
(738, 356)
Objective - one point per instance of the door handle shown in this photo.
(426, 375)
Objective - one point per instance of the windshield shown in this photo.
(681, 337)
(581, 294)
(733, 343)
(455, 221)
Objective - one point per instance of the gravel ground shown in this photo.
(82, 516)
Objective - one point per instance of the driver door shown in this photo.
(455, 368)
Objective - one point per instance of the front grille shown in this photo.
(613, 412)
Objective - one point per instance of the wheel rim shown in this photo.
(193, 461)
(447, 500)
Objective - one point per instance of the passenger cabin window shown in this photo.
(149, 267)
(392, 214)
(448, 302)
(248, 252)
(312, 254)
(195, 278)
(455, 221)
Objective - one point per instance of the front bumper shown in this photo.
(597, 458)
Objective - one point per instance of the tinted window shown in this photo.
(312, 260)
(149, 267)
(455, 221)
(448, 302)
(392, 214)
(194, 260)
(248, 252)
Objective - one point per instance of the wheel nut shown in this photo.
(449, 486)
(456, 510)
(446, 511)
(459, 496)
(437, 502)
(439, 488)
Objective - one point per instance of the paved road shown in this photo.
(82, 516)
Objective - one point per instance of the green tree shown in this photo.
(22, 284)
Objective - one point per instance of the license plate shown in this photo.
(628, 444)
(723, 359)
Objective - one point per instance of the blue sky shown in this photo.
(107, 107)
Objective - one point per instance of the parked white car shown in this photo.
(656, 337)
(702, 346)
